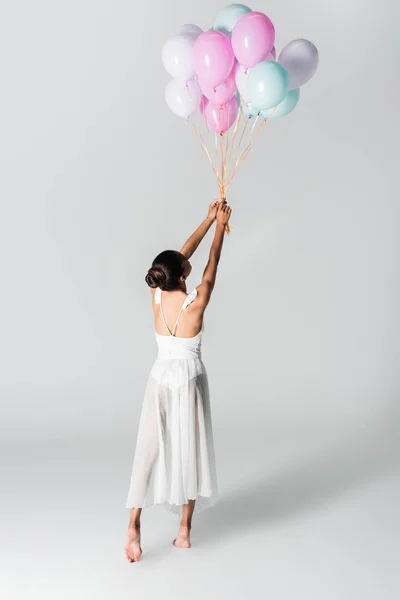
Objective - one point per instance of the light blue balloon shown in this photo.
(267, 84)
(250, 111)
(224, 31)
(229, 16)
(284, 107)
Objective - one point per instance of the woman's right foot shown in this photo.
(133, 550)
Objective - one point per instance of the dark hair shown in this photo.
(166, 270)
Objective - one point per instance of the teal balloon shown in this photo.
(229, 16)
(250, 111)
(284, 107)
(267, 84)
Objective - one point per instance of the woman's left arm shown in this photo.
(194, 240)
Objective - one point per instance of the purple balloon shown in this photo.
(221, 117)
(213, 57)
(253, 38)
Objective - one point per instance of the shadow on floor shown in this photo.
(321, 478)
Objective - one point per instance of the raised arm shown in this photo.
(194, 240)
(210, 272)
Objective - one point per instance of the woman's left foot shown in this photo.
(183, 539)
(133, 551)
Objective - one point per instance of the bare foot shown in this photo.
(133, 550)
(183, 539)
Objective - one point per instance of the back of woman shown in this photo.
(174, 459)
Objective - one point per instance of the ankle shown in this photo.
(135, 526)
(185, 524)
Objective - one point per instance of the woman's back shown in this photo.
(170, 345)
(177, 314)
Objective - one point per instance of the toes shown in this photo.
(132, 553)
(128, 557)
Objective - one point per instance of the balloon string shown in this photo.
(243, 132)
(242, 96)
(248, 143)
(216, 150)
(227, 132)
(264, 123)
(239, 161)
(238, 118)
(203, 145)
(205, 150)
(214, 168)
(203, 113)
(240, 142)
(254, 124)
(247, 148)
(223, 175)
(223, 165)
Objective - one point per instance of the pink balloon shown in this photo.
(273, 52)
(220, 117)
(213, 57)
(223, 92)
(253, 38)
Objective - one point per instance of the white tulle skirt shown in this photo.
(174, 459)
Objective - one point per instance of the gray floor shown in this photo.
(300, 516)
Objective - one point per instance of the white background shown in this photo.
(301, 337)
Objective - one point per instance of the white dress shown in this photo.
(174, 459)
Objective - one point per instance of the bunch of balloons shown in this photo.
(235, 62)
(232, 72)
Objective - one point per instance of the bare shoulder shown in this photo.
(203, 295)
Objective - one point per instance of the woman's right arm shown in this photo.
(210, 272)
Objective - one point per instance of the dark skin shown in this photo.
(218, 212)
(190, 324)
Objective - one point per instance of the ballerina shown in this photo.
(174, 461)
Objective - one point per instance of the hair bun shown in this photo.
(156, 277)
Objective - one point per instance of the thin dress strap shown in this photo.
(157, 295)
(185, 303)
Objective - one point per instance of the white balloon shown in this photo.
(190, 29)
(300, 59)
(183, 97)
(177, 56)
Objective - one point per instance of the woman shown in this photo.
(174, 462)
